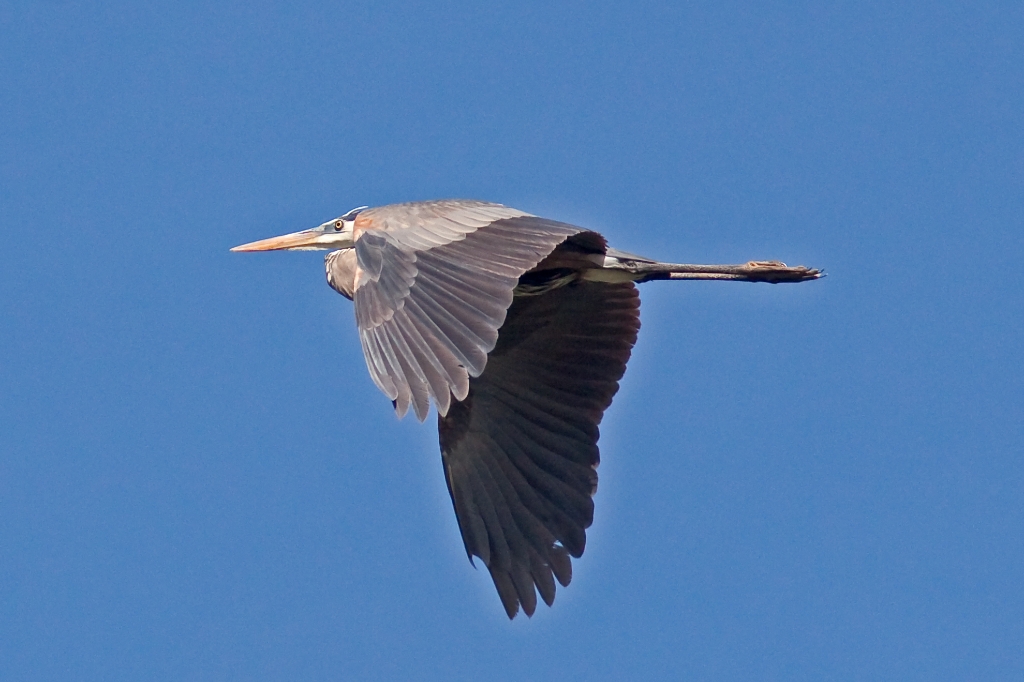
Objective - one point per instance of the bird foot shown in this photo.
(775, 271)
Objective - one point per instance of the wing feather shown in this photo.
(471, 523)
(541, 574)
(501, 556)
(452, 267)
(551, 500)
(533, 435)
(530, 534)
(430, 360)
(402, 394)
(419, 370)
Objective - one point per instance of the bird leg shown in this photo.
(772, 271)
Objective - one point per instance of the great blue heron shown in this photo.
(519, 329)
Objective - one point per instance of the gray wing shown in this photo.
(520, 451)
(433, 285)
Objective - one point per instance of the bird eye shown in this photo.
(338, 225)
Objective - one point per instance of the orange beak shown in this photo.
(307, 239)
(327, 237)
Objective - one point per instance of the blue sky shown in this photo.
(199, 481)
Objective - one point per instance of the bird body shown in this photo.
(518, 329)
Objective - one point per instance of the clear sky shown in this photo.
(198, 480)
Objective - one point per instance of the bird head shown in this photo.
(332, 235)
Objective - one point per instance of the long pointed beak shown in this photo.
(307, 239)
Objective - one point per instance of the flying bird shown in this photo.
(518, 329)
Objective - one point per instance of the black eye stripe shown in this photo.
(351, 215)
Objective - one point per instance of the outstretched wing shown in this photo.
(520, 450)
(433, 283)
